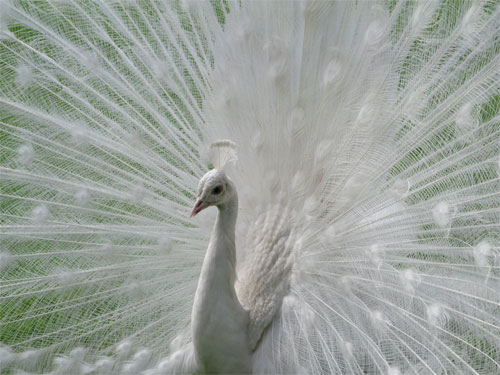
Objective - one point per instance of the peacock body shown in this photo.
(367, 176)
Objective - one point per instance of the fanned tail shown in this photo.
(367, 174)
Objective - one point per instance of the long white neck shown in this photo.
(219, 322)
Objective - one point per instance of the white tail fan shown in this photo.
(368, 182)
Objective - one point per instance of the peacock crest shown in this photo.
(222, 153)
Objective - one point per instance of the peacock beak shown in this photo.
(198, 206)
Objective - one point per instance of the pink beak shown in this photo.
(198, 206)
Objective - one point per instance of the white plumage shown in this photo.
(366, 187)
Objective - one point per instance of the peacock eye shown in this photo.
(217, 189)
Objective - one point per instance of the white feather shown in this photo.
(222, 153)
(367, 236)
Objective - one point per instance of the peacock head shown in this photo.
(214, 189)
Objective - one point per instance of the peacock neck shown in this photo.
(218, 272)
(224, 231)
(219, 322)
